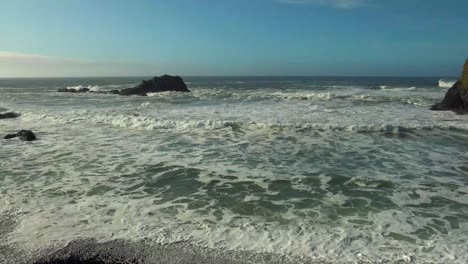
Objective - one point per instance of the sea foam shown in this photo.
(338, 174)
(172, 185)
(133, 121)
(446, 83)
(97, 88)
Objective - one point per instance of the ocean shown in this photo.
(310, 169)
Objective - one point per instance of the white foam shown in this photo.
(387, 88)
(326, 96)
(97, 88)
(137, 121)
(145, 104)
(301, 161)
(446, 83)
(165, 94)
(94, 88)
(53, 203)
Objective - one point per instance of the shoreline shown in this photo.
(90, 251)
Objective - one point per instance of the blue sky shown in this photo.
(233, 37)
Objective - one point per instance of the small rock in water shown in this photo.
(10, 136)
(9, 115)
(24, 135)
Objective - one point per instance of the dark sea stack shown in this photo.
(456, 98)
(464, 77)
(23, 135)
(9, 115)
(165, 83)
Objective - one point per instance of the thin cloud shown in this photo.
(10, 54)
(16, 64)
(31, 56)
(343, 4)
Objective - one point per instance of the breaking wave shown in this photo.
(393, 88)
(304, 96)
(135, 121)
(96, 88)
(388, 88)
(353, 97)
(299, 95)
(446, 83)
(333, 175)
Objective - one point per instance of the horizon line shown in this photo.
(245, 76)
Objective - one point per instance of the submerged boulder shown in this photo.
(165, 83)
(9, 115)
(24, 135)
(456, 98)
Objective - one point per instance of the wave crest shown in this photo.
(446, 83)
(150, 123)
(97, 88)
(387, 88)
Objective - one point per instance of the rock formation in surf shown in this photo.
(456, 98)
(165, 83)
(71, 90)
(23, 135)
(9, 115)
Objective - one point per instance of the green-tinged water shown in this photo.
(341, 170)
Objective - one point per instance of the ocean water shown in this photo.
(344, 170)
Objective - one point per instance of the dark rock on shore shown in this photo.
(9, 115)
(165, 83)
(23, 135)
(456, 98)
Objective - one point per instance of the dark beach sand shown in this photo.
(89, 251)
(124, 252)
